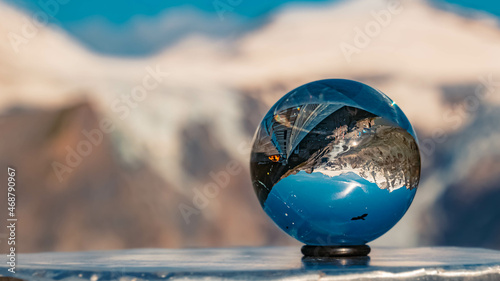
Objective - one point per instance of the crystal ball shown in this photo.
(335, 162)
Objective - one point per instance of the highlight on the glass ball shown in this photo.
(335, 164)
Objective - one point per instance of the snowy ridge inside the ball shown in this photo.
(382, 154)
(314, 138)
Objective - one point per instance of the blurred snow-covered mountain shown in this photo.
(143, 183)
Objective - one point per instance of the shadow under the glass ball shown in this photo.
(323, 263)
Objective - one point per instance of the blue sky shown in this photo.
(111, 26)
(489, 6)
(137, 28)
(120, 11)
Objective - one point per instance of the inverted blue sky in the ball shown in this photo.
(111, 26)
(319, 209)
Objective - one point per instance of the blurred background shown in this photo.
(129, 122)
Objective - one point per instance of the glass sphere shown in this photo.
(335, 162)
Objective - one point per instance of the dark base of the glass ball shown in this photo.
(335, 262)
(335, 251)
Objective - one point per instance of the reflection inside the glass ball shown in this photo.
(335, 162)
